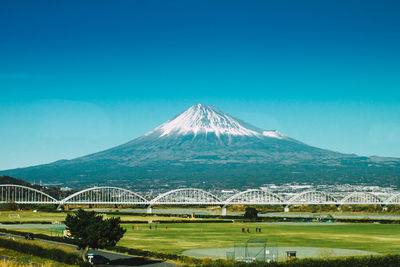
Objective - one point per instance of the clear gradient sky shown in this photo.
(77, 77)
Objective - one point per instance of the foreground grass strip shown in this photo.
(43, 250)
(367, 261)
(10, 263)
(13, 258)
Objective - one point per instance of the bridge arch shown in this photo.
(312, 197)
(394, 199)
(24, 195)
(191, 196)
(104, 195)
(361, 198)
(254, 196)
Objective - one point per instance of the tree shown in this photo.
(10, 205)
(92, 231)
(251, 213)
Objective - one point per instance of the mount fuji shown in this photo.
(206, 147)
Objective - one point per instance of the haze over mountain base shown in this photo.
(204, 147)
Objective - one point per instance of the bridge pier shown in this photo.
(149, 210)
(223, 210)
(286, 208)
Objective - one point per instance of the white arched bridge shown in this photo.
(189, 196)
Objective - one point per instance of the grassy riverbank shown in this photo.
(381, 238)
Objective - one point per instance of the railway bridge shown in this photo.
(107, 195)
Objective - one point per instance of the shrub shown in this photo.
(251, 213)
(43, 250)
(9, 206)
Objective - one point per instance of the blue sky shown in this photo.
(77, 77)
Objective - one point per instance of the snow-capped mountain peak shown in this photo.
(204, 119)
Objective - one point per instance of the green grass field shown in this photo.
(381, 238)
(23, 216)
(179, 237)
(57, 217)
(182, 236)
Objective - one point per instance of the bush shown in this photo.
(367, 261)
(251, 213)
(9, 206)
(43, 251)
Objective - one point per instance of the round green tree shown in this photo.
(90, 230)
(251, 213)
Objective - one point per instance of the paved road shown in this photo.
(117, 259)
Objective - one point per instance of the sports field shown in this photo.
(178, 237)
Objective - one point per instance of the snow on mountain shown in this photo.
(273, 134)
(204, 119)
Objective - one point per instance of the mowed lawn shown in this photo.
(179, 237)
(382, 238)
(58, 217)
(30, 216)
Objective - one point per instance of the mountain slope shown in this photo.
(207, 135)
(205, 147)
